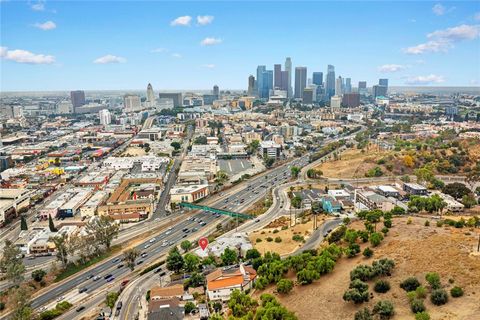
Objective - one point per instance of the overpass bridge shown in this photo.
(215, 210)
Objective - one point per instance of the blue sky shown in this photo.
(89, 45)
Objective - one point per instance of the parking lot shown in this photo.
(233, 167)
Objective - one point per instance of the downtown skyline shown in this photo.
(63, 46)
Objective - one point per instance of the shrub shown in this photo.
(258, 240)
(427, 223)
(411, 295)
(38, 275)
(381, 286)
(284, 286)
(410, 284)
(421, 292)
(422, 316)
(384, 309)
(362, 272)
(261, 283)
(352, 250)
(375, 239)
(385, 231)
(278, 239)
(439, 223)
(439, 297)
(387, 223)
(306, 276)
(2, 306)
(356, 296)
(416, 305)
(433, 279)
(363, 314)
(409, 221)
(456, 292)
(298, 238)
(367, 253)
(275, 231)
(269, 239)
(383, 267)
(189, 307)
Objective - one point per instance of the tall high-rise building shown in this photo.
(251, 85)
(105, 117)
(277, 76)
(260, 71)
(150, 96)
(379, 91)
(384, 82)
(339, 86)
(351, 100)
(284, 81)
(307, 95)
(216, 91)
(176, 98)
(78, 99)
(362, 88)
(300, 81)
(317, 78)
(330, 83)
(348, 85)
(267, 83)
(131, 103)
(288, 68)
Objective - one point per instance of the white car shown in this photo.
(146, 246)
(153, 240)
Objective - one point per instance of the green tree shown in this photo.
(363, 314)
(175, 260)
(130, 255)
(422, 316)
(104, 229)
(269, 162)
(229, 257)
(38, 275)
(433, 279)
(439, 297)
(189, 307)
(51, 225)
(186, 245)
(376, 238)
(456, 190)
(191, 262)
(284, 286)
(63, 247)
(196, 279)
(176, 145)
(20, 304)
(200, 140)
(253, 146)
(384, 309)
(221, 177)
(410, 284)
(23, 223)
(111, 299)
(469, 200)
(296, 201)
(252, 254)
(294, 171)
(241, 304)
(11, 263)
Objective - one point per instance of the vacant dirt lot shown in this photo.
(134, 152)
(353, 163)
(287, 245)
(416, 250)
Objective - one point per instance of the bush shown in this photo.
(278, 239)
(189, 307)
(410, 284)
(387, 223)
(427, 223)
(298, 238)
(363, 314)
(2, 306)
(439, 223)
(439, 297)
(433, 279)
(352, 250)
(38, 275)
(375, 239)
(306, 276)
(362, 272)
(456, 292)
(383, 267)
(381, 286)
(269, 239)
(356, 296)
(384, 309)
(275, 231)
(416, 305)
(409, 221)
(258, 240)
(422, 316)
(284, 286)
(421, 292)
(367, 253)
(261, 283)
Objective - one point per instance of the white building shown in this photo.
(335, 102)
(64, 107)
(270, 149)
(131, 103)
(105, 117)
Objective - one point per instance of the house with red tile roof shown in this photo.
(222, 281)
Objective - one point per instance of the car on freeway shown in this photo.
(168, 232)
(110, 279)
(96, 278)
(115, 260)
(90, 276)
(153, 240)
(144, 254)
(108, 276)
(185, 229)
(258, 220)
(80, 309)
(163, 273)
(120, 266)
(203, 224)
(164, 243)
(82, 290)
(194, 229)
(61, 298)
(157, 270)
(119, 305)
(146, 246)
(185, 235)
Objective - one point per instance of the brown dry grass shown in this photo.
(287, 245)
(134, 152)
(416, 250)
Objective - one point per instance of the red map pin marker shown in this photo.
(203, 243)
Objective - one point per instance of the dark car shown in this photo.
(120, 266)
(81, 308)
(108, 276)
(82, 290)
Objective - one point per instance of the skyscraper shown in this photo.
(131, 103)
(288, 68)
(284, 81)
(362, 87)
(251, 85)
(338, 86)
(300, 81)
(78, 99)
(150, 96)
(379, 91)
(277, 76)
(330, 84)
(260, 71)
(317, 78)
(267, 83)
(384, 82)
(348, 85)
(105, 117)
(216, 91)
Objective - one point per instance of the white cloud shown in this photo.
(39, 6)
(176, 55)
(391, 68)
(424, 80)
(210, 41)
(462, 32)
(204, 20)
(443, 40)
(159, 50)
(476, 16)
(48, 25)
(208, 65)
(181, 21)
(439, 10)
(109, 59)
(24, 56)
